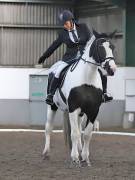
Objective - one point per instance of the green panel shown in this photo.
(37, 87)
(120, 3)
(130, 34)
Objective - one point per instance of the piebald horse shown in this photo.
(82, 91)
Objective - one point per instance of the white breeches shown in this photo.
(57, 68)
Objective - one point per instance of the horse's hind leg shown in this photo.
(96, 125)
(49, 126)
(80, 139)
(87, 137)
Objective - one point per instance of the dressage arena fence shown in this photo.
(61, 131)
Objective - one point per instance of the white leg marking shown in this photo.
(80, 131)
(96, 125)
(87, 137)
(49, 126)
(75, 134)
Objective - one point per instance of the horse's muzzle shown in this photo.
(110, 72)
(110, 67)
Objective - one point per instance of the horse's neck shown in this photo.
(87, 71)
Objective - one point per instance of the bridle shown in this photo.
(101, 62)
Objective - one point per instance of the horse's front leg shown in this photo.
(75, 135)
(48, 130)
(87, 137)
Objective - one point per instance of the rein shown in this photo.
(74, 65)
(94, 63)
(97, 64)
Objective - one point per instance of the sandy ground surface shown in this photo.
(112, 158)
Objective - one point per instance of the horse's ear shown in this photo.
(113, 34)
(95, 33)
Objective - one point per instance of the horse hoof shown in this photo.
(85, 163)
(89, 164)
(45, 156)
(76, 164)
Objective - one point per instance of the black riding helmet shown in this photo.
(66, 15)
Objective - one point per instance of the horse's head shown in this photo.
(102, 52)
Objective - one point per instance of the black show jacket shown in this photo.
(72, 48)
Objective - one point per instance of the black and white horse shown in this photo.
(82, 91)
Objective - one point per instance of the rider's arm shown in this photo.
(51, 49)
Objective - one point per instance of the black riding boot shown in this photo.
(53, 86)
(106, 97)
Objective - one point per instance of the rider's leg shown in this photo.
(106, 97)
(55, 81)
(53, 86)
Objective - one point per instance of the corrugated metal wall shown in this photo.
(27, 30)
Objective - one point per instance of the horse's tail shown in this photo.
(67, 130)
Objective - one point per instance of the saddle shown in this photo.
(61, 79)
(63, 75)
(65, 70)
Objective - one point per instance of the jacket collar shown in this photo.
(76, 26)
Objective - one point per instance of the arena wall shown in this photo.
(16, 107)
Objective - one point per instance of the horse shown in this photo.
(81, 95)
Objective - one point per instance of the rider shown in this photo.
(75, 36)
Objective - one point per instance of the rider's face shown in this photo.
(68, 25)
